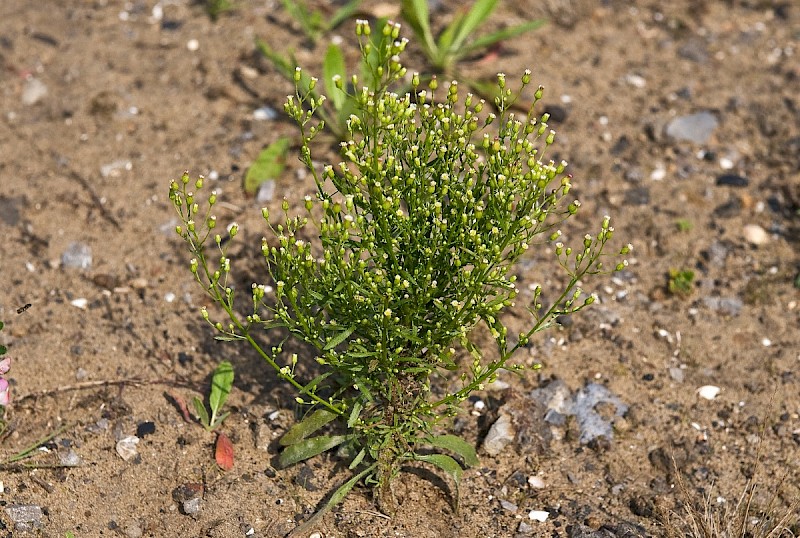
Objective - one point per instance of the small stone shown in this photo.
(677, 374)
(77, 255)
(696, 128)
(34, 91)
(508, 505)
(500, 435)
(192, 506)
(536, 482)
(115, 168)
(69, 458)
(265, 113)
(539, 515)
(126, 447)
(26, 517)
(728, 306)
(637, 196)
(524, 528)
(266, 191)
(755, 234)
(133, 530)
(637, 81)
(732, 180)
(145, 428)
(80, 303)
(192, 45)
(263, 436)
(709, 392)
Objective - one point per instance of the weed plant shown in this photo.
(407, 244)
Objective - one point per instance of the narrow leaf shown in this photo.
(309, 388)
(338, 339)
(200, 412)
(477, 15)
(458, 446)
(337, 497)
(415, 13)
(308, 448)
(332, 66)
(501, 35)
(343, 13)
(223, 453)
(307, 426)
(354, 413)
(268, 165)
(221, 383)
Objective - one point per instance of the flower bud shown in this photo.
(297, 74)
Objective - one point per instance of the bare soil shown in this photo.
(123, 87)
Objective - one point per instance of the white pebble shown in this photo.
(659, 173)
(536, 482)
(725, 163)
(755, 234)
(169, 297)
(539, 515)
(709, 392)
(80, 303)
(126, 447)
(766, 342)
(192, 45)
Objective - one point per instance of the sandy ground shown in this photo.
(103, 102)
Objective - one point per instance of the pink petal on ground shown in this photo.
(5, 365)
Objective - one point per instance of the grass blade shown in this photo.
(268, 165)
(501, 35)
(337, 497)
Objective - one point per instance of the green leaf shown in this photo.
(268, 165)
(332, 66)
(343, 13)
(359, 457)
(415, 13)
(501, 35)
(309, 388)
(458, 446)
(477, 15)
(308, 448)
(354, 413)
(221, 384)
(449, 466)
(338, 339)
(307, 426)
(200, 412)
(335, 499)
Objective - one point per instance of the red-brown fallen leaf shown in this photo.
(223, 454)
(180, 403)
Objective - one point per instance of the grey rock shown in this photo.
(729, 306)
(69, 458)
(677, 374)
(524, 528)
(192, 506)
(732, 180)
(559, 402)
(694, 50)
(500, 435)
(592, 425)
(637, 196)
(266, 191)
(696, 128)
(26, 517)
(265, 113)
(508, 505)
(77, 255)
